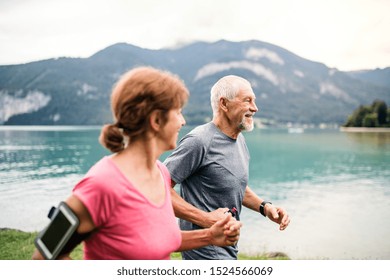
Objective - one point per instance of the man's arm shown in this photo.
(274, 213)
(251, 200)
(188, 212)
(225, 232)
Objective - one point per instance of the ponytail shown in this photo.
(111, 137)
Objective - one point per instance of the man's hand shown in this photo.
(277, 215)
(212, 217)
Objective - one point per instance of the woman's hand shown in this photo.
(225, 232)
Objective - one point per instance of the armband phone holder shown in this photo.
(53, 238)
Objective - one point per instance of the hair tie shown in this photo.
(119, 125)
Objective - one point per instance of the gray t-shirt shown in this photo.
(212, 170)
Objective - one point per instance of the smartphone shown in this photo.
(52, 239)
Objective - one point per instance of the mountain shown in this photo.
(380, 77)
(289, 88)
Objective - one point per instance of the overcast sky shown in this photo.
(345, 34)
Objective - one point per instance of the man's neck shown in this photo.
(226, 128)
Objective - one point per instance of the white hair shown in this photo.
(228, 87)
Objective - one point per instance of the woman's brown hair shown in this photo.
(135, 96)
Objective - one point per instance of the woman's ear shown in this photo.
(155, 120)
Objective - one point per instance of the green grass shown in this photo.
(16, 245)
(19, 245)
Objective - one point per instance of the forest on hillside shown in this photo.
(375, 115)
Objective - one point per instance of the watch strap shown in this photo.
(262, 205)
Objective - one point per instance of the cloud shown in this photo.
(345, 34)
(256, 68)
(15, 104)
(258, 53)
(329, 88)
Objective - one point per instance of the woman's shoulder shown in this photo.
(102, 167)
(100, 174)
(163, 169)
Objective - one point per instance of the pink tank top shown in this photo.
(129, 225)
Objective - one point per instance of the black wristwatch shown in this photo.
(261, 208)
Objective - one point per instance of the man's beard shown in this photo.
(246, 125)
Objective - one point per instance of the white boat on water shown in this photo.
(296, 130)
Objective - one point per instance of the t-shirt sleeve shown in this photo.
(186, 158)
(98, 197)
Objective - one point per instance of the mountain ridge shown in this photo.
(289, 88)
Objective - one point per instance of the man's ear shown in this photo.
(223, 104)
(155, 120)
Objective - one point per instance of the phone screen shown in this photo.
(54, 237)
(56, 231)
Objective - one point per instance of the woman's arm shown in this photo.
(86, 225)
(225, 232)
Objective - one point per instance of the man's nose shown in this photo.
(254, 107)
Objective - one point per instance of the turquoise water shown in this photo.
(335, 186)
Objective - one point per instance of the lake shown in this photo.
(335, 186)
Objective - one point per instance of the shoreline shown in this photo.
(365, 129)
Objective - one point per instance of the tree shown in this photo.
(370, 120)
(376, 115)
(388, 117)
(356, 120)
(380, 108)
